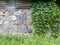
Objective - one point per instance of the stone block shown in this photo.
(1, 13)
(6, 13)
(7, 24)
(24, 17)
(1, 22)
(18, 12)
(1, 26)
(18, 17)
(6, 31)
(21, 29)
(28, 22)
(12, 17)
(29, 28)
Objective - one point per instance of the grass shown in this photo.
(27, 40)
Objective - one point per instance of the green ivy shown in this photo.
(45, 16)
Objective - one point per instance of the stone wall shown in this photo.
(16, 21)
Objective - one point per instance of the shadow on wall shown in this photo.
(41, 0)
(58, 3)
(24, 1)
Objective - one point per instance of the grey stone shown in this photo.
(21, 29)
(7, 25)
(1, 13)
(24, 17)
(21, 17)
(17, 12)
(18, 17)
(49, 33)
(29, 29)
(12, 17)
(28, 22)
(1, 26)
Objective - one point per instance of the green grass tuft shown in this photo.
(27, 40)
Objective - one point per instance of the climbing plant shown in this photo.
(45, 17)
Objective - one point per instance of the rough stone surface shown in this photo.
(15, 21)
